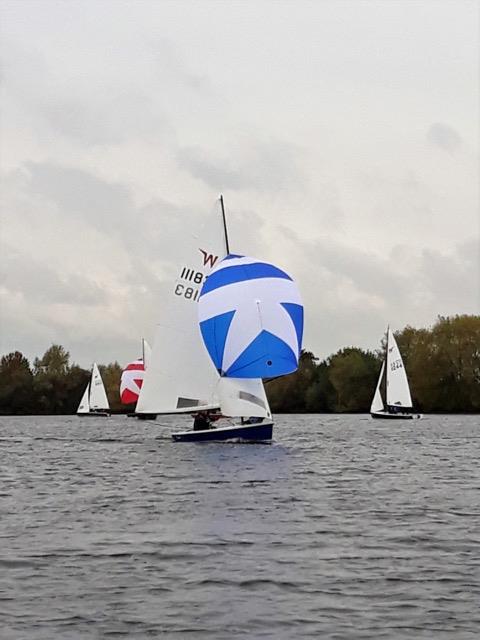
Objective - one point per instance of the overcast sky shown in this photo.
(343, 135)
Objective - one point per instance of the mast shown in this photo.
(90, 390)
(227, 247)
(143, 352)
(384, 382)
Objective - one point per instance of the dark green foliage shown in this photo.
(353, 374)
(53, 387)
(111, 374)
(286, 394)
(16, 385)
(442, 363)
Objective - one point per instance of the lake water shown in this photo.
(343, 528)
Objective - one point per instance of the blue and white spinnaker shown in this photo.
(251, 319)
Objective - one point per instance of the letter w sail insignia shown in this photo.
(208, 258)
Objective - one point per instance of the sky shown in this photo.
(343, 136)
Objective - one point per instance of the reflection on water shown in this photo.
(343, 528)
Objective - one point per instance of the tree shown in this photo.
(111, 374)
(320, 395)
(353, 374)
(50, 380)
(287, 394)
(76, 382)
(54, 361)
(16, 385)
(443, 364)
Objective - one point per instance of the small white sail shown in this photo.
(242, 398)
(377, 402)
(147, 352)
(98, 397)
(398, 392)
(180, 376)
(84, 406)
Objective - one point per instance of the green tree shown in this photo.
(287, 394)
(50, 380)
(320, 395)
(111, 374)
(443, 364)
(353, 374)
(54, 361)
(16, 385)
(76, 381)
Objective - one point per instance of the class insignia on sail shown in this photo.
(251, 318)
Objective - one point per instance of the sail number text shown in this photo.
(187, 289)
(396, 364)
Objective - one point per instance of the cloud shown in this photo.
(255, 165)
(115, 143)
(451, 281)
(444, 136)
(40, 284)
(351, 294)
(89, 202)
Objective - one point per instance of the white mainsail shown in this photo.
(398, 392)
(94, 396)
(180, 376)
(377, 402)
(98, 397)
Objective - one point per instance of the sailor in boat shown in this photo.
(201, 421)
(204, 420)
(252, 420)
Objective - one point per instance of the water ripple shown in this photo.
(342, 529)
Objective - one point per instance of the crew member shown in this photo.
(201, 421)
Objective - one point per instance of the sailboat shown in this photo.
(94, 401)
(202, 359)
(132, 379)
(392, 399)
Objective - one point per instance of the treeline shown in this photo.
(442, 363)
(52, 385)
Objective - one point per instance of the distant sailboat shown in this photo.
(132, 380)
(182, 378)
(94, 401)
(392, 399)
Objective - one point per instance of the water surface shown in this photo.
(343, 528)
